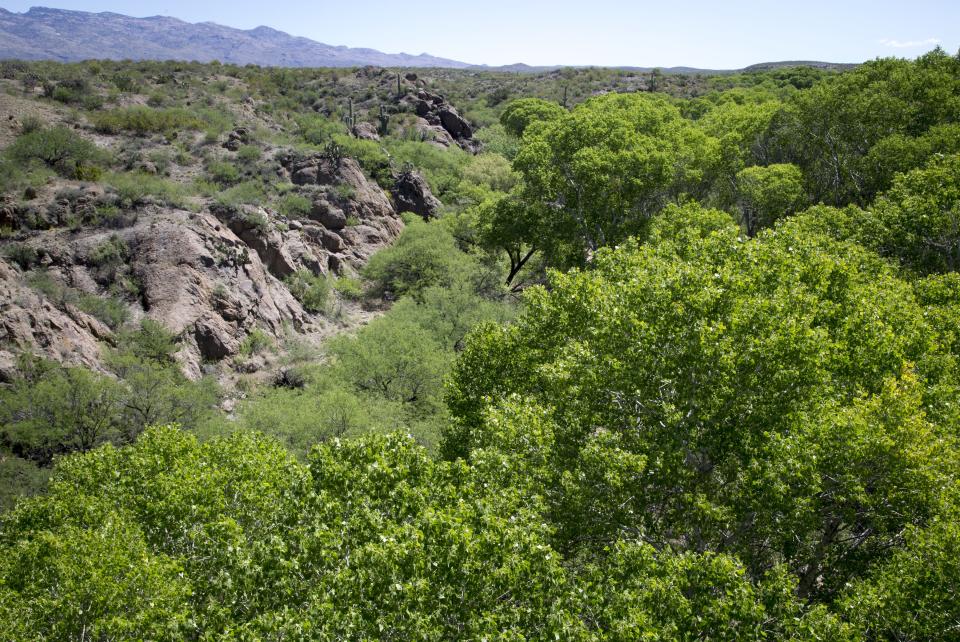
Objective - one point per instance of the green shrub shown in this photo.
(135, 187)
(256, 342)
(22, 254)
(110, 310)
(349, 288)
(424, 255)
(246, 193)
(146, 120)
(395, 359)
(294, 206)
(19, 478)
(312, 291)
(58, 147)
(223, 173)
(110, 252)
(249, 153)
(151, 341)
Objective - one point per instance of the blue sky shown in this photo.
(720, 34)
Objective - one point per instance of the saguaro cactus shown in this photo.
(384, 119)
(348, 119)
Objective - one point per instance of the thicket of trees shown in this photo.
(729, 412)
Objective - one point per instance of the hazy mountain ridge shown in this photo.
(68, 36)
(55, 34)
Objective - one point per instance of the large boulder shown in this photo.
(412, 194)
(215, 338)
(330, 216)
(366, 131)
(454, 123)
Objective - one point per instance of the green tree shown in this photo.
(57, 409)
(751, 398)
(766, 194)
(523, 112)
(601, 171)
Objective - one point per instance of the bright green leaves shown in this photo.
(95, 581)
(921, 217)
(524, 112)
(768, 193)
(601, 171)
(712, 393)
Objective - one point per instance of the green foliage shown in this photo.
(256, 342)
(54, 409)
(245, 193)
(395, 359)
(302, 419)
(141, 120)
(133, 188)
(694, 433)
(689, 383)
(312, 291)
(830, 130)
(19, 478)
(223, 173)
(424, 255)
(913, 596)
(767, 194)
(597, 174)
(524, 112)
(249, 153)
(109, 309)
(920, 217)
(151, 342)
(59, 148)
(294, 206)
(24, 255)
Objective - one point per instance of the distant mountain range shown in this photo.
(68, 36)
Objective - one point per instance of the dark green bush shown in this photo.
(60, 148)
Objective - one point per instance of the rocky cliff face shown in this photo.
(210, 276)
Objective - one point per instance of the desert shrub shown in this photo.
(59, 148)
(256, 342)
(443, 169)
(424, 255)
(294, 205)
(223, 173)
(22, 254)
(19, 478)
(312, 291)
(133, 188)
(349, 288)
(110, 310)
(249, 153)
(110, 252)
(318, 130)
(496, 140)
(146, 120)
(395, 359)
(303, 418)
(150, 341)
(245, 193)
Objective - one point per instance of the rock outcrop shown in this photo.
(439, 122)
(211, 277)
(412, 194)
